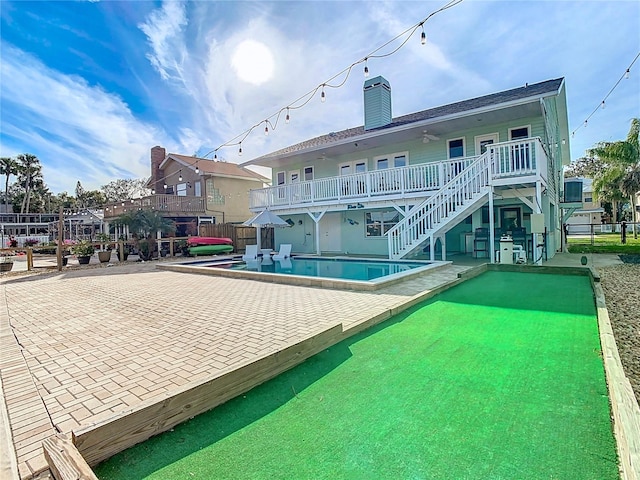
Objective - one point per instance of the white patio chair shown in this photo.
(285, 252)
(251, 253)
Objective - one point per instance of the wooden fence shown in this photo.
(241, 235)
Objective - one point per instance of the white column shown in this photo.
(492, 229)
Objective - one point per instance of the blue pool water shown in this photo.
(339, 268)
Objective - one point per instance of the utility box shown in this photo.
(506, 250)
(537, 223)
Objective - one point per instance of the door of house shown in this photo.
(330, 236)
(483, 140)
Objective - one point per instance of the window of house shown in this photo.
(518, 133)
(588, 199)
(281, 178)
(357, 166)
(379, 223)
(456, 148)
(197, 189)
(391, 161)
(181, 189)
(308, 173)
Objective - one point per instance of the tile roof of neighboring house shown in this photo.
(515, 94)
(225, 169)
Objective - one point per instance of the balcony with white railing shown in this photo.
(513, 160)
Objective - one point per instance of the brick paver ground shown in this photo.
(83, 344)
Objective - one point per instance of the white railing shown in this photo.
(423, 220)
(367, 185)
(513, 159)
(518, 158)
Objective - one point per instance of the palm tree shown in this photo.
(8, 167)
(144, 224)
(30, 174)
(622, 170)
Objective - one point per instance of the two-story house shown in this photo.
(443, 180)
(590, 214)
(192, 191)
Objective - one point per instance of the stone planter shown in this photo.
(104, 256)
(84, 259)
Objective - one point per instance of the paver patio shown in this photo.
(84, 344)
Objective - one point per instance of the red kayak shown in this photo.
(193, 241)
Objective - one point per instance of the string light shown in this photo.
(197, 169)
(266, 129)
(423, 36)
(304, 99)
(180, 176)
(625, 75)
(240, 150)
(366, 68)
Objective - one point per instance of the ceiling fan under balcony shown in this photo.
(427, 137)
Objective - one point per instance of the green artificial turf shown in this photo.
(500, 377)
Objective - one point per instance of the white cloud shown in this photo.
(164, 28)
(78, 131)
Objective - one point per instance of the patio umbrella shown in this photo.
(265, 219)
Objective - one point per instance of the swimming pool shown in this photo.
(327, 272)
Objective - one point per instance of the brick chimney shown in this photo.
(377, 103)
(157, 174)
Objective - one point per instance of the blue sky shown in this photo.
(90, 86)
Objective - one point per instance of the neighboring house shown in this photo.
(591, 212)
(421, 184)
(192, 191)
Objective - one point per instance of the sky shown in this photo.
(90, 86)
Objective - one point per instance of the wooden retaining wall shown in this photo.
(104, 439)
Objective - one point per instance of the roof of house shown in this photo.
(508, 96)
(215, 167)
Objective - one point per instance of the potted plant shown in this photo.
(83, 250)
(104, 255)
(6, 263)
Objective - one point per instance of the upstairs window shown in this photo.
(519, 133)
(181, 189)
(456, 148)
(308, 173)
(394, 160)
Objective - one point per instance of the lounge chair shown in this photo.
(251, 253)
(285, 252)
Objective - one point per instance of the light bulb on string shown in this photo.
(366, 68)
(286, 119)
(215, 157)
(197, 169)
(322, 95)
(423, 36)
(627, 74)
(180, 176)
(602, 104)
(266, 129)
(166, 186)
(240, 150)
(585, 123)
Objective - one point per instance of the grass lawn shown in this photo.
(604, 243)
(500, 377)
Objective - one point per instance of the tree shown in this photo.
(8, 167)
(29, 177)
(585, 167)
(622, 167)
(124, 189)
(144, 224)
